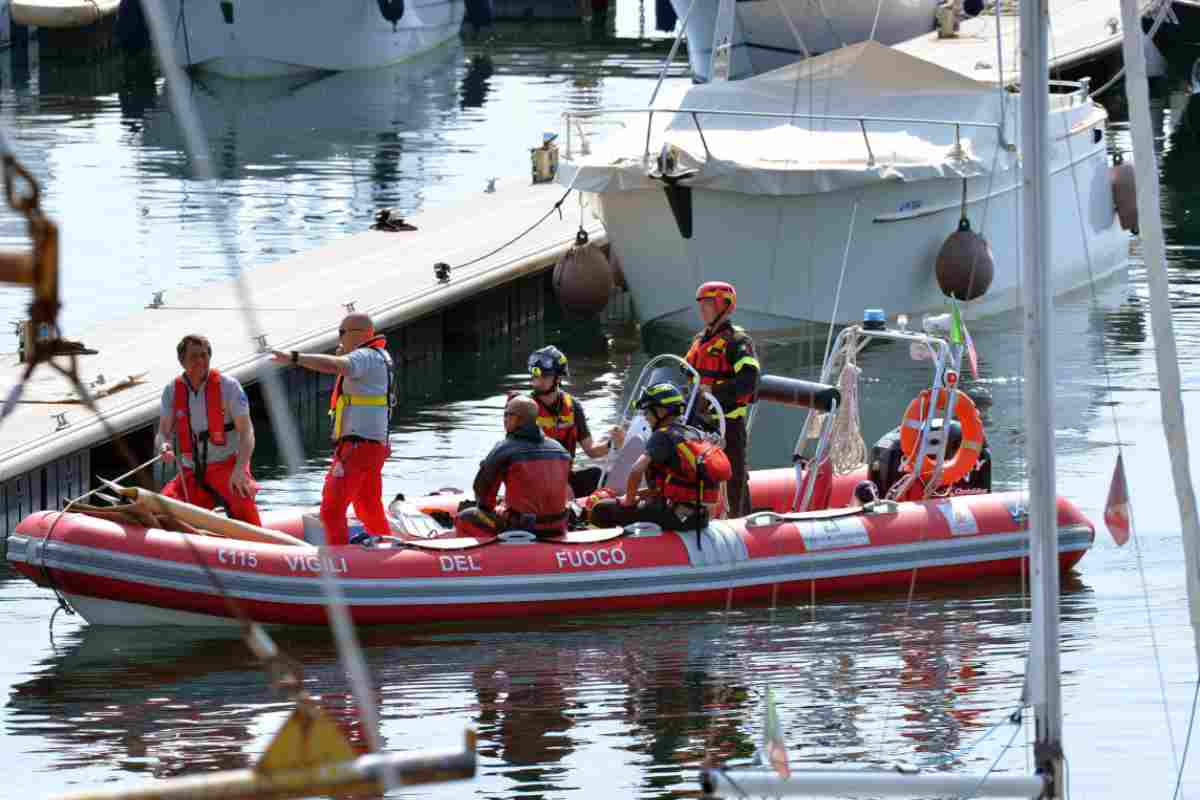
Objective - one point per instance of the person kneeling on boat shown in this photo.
(534, 470)
(682, 468)
(361, 406)
(208, 416)
(561, 417)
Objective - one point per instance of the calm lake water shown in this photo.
(595, 707)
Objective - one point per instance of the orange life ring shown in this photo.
(953, 469)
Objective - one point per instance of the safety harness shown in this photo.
(340, 400)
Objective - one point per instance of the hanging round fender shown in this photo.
(964, 265)
(392, 10)
(1124, 189)
(583, 278)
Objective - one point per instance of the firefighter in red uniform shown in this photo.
(561, 417)
(360, 406)
(684, 472)
(208, 416)
(724, 356)
(534, 471)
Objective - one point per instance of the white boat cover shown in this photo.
(818, 144)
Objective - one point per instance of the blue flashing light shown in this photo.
(874, 319)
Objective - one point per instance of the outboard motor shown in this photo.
(887, 455)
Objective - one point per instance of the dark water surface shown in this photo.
(595, 707)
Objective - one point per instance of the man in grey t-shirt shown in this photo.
(205, 422)
(361, 407)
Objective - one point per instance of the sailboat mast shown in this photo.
(1037, 305)
(1165, 353)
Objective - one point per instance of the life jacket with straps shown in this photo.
(702, 467)
(559, 425)
(189, 443)
(341, 400)
(710, 356)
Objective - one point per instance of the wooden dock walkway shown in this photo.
(1080, 31)
(298, 302)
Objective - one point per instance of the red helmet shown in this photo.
(718, 290)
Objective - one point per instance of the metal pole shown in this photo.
(366, 774)
(1037, 305)
(1165, 353)
(843, 783)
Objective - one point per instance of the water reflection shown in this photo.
(476, 82)
(868, 681)
(298, 124)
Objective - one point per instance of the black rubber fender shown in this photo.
(392, 10)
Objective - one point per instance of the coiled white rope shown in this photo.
(847, 450)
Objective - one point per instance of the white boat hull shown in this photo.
(257, 40)
(763, 41)
(784, 253)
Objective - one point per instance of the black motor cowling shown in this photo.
(887, 455)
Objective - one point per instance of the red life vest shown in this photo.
(702, 468)
(559, 426)
(214, 409)
(339, 400)
(709, 356)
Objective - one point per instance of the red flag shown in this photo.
(776, 750)
(1116, 510)
(972, 358)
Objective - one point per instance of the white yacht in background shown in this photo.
(764, 40)
(830, 185)
(256, 40)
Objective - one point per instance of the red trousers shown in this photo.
(355, 476)
(184, 486)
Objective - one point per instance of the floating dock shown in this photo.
(1081, 31)
(52, 443)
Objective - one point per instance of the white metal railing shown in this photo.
(573, 120)
(945, 357)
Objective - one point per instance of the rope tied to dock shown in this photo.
(442, 270)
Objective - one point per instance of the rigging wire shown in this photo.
(1106, 372)
(995, 763)
(984, 217)
(1187, 742)
(282, 422)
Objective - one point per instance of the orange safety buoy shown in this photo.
(953, 469)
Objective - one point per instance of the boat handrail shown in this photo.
(944, 357)
(597, 112)
(1079, 91)
(861, 119)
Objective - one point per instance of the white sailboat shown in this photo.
(1042, 689)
